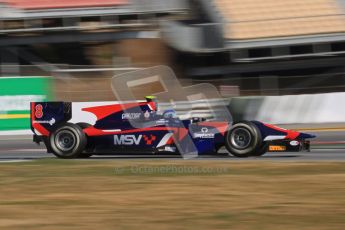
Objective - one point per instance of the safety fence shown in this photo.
(291, 109)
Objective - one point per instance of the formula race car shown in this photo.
(120, 128)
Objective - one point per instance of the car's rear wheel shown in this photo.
(68, 141)
(243, 139)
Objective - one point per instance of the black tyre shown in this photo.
(89, 148)
(68, 141)
(243, 139)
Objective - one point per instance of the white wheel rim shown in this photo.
(241, 138)
(65, 140)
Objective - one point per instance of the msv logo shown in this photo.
(150, 139)
(127, 139)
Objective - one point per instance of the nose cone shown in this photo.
(306, 136)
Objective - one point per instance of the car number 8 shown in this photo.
(39, 111)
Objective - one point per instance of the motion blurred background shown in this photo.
(274, 60)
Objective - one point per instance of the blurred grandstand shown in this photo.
(246, 47)
(75, 40)
(285, 47)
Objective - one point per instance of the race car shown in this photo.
(137, 127)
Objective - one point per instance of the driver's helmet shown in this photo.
(170, 113)
(154, 100)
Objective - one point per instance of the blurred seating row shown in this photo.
(50, 4)
(251, 19)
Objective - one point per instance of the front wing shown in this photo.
(288, 146)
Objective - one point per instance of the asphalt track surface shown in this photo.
(328, 146)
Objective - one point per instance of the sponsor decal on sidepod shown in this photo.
(130, 115)
(127, 139)
(204, 134)
(133, 139)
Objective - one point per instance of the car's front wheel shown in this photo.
(243, 139)
(68, 141)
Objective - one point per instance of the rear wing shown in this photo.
(45, 116)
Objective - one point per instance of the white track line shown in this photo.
(16, 132)
(14, 161)
(27, 150)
